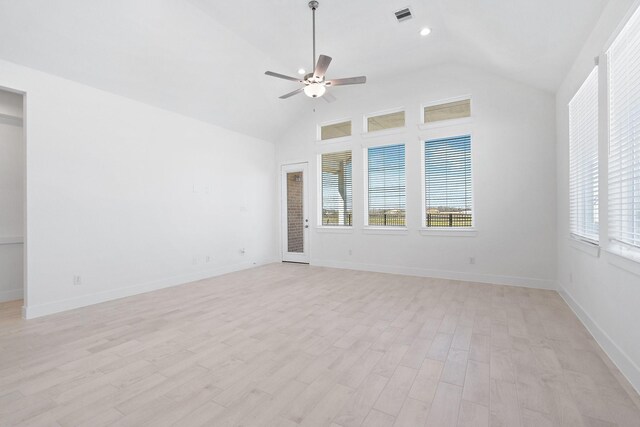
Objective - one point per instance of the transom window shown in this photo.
(386, 121)
(447, 111)
(335, 130)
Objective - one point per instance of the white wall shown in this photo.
(11, 196)
(604, 290)
(127, 196)
(513, 156)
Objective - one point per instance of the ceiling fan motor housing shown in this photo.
(313, 4)
(311, 78)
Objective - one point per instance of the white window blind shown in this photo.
(624, 135)
(337, 209)
(386, 178)
(583, 160)
(447, 178)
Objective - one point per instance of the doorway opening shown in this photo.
(12, 196)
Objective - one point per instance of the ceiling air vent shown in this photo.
(403, 14)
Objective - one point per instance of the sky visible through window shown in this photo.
(387, 178)
(448, 174)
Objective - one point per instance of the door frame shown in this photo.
(23, 239)
(287, 256)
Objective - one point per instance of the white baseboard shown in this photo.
(624, 363)
(526, 282)
(33, 311)
(11, 295)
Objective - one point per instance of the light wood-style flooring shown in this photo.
(288, 345)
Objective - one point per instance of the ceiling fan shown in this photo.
(315, 84)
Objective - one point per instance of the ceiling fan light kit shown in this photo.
(315, 84)
(315, 90)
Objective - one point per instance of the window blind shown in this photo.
(624, 135)
(447, 177)
(386, 178)
(583, 160)
(337, 209)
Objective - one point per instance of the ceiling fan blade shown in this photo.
(328, 97)
(348, 81)
(290, 94)
(322, 65)
(282, 76)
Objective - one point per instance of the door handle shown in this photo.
(306, 226)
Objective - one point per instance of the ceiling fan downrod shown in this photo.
(313, 4)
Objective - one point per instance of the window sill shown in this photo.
(449, 232)
(331, 141)
(445, 123)
(334, 230)
(385, 230)
(624, 258)
(384, 132)
(11, 240)
(589, 248)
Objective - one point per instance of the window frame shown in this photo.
(442, 123)
(319, 127)
(386, 229)
(319, 225)
(440, 133)
(391, 131)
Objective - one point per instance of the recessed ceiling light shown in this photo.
(425, 31)
(301, 71)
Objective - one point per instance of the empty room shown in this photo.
(320, 213)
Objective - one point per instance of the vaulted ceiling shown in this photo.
(206, 58)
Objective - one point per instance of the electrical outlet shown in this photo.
(208, 259)
(242, 251)
(350, 252)
(472, 260)
(77, 280)
(194, 260)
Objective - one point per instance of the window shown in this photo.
(447, 111)
(583, 160)
(335, 130)
(385, 121)
(386, 186)
(447, 182)
(337, 209)
(624, 136)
